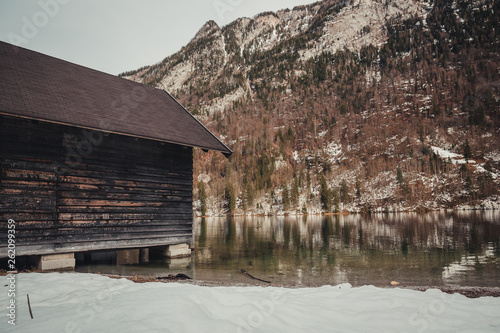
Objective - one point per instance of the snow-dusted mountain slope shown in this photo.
(375, 97)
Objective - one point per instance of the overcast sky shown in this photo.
(114, 36)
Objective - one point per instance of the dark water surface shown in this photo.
(435, 249)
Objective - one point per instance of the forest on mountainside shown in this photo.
(411, 124)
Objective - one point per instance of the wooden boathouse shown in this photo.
(90, 161)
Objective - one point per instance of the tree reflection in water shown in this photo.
(415, 249)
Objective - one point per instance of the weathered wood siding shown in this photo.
(71, 190)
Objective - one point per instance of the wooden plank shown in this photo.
(82, 238)
(145, 152)
(27, 204)
(167, 183)
(30, 228)
(20, 217)
(117, 144)
(97, 232)
(113, 210)
(44, 143)
(118, 202)
(111, 175)
(123, 166)
(29, 159)
(33, 225)
(23, 138)
(144, 224)
(120, 167)
(27, 192)
(38, 165)
(120, 236)
(30, 149)
(31, 184)
(43, 249)
(151, 196)
(123, 230)
(141, 153)
(84, 188)
(120, 216)
(130, 153)
(159, 191)
(23, 175)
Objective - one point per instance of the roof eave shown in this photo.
(227, 152)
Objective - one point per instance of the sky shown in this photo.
(115, 36)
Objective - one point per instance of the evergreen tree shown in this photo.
(467, 151)
(421, 133)
(336, 201)
(295, 194)
(289, 134)
(402, 182)
(203, 198)
(358, 189)
(344, 192)
(230, 197)
(326, 195)
(399, 177)
(244, 203)
(249, 195)
(285, 198)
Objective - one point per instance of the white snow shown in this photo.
(75, 302)
(280, 163)
(204, 177)
(493, 156)
(446, 154)
(322, 133)
(333, 151)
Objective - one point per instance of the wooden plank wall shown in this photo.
(71, 190)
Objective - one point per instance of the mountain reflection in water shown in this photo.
(459, 248)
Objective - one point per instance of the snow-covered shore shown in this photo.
(75, 302)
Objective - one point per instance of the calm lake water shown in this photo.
(435, 249)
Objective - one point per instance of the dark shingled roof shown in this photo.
(37, 86)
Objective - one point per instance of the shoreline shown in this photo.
(345, 213)
(467, 291)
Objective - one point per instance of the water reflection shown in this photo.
(414, 249)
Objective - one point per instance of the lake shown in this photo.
(434, 249)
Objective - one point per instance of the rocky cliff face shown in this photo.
(361, 105)
(327, 26)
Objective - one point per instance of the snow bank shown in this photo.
(72, 302)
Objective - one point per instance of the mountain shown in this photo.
(369, 105)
